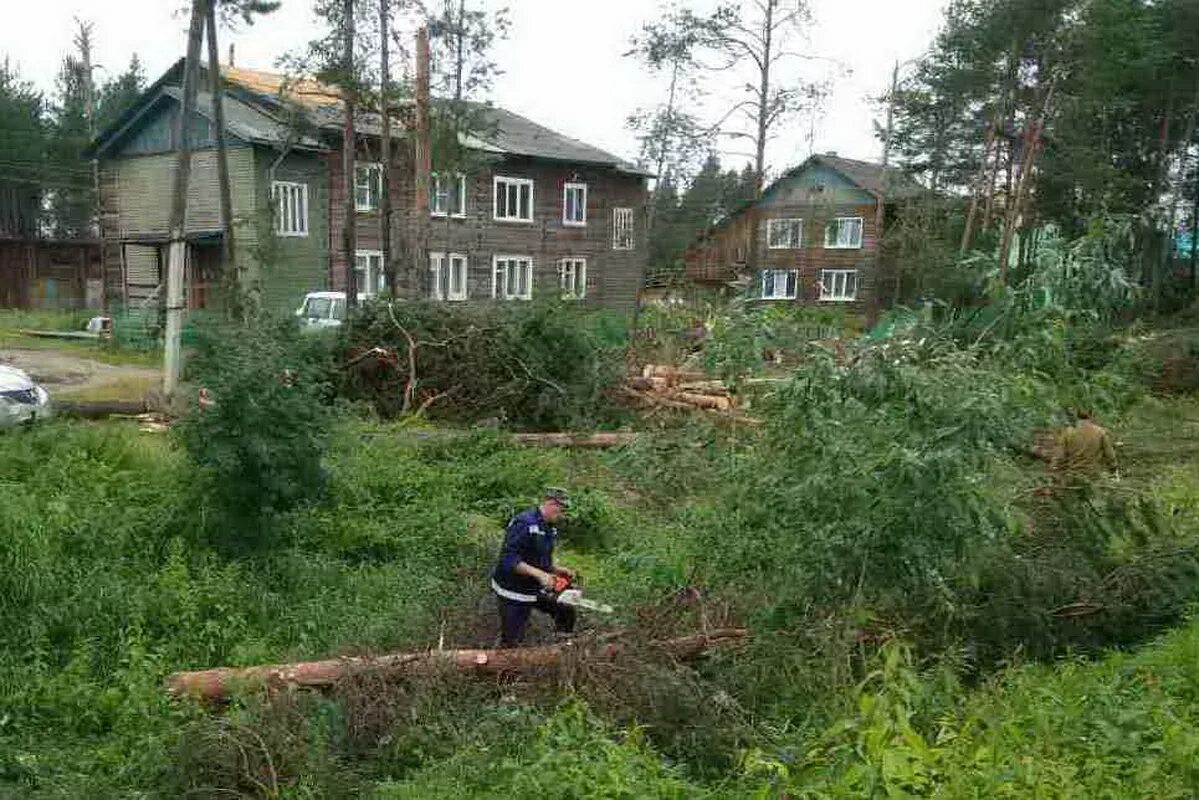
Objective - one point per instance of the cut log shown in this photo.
(705, 387)
(100, 410)
(650, 384)
(215, 684)
(593, 441)
(672, 373)
(703, 401)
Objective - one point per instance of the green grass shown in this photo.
(110, 581)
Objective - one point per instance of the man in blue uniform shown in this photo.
(525, 574)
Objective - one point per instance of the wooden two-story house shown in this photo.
(818, 235)
(539, 213)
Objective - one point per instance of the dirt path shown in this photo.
(76, 377)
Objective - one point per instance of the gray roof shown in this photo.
(247, 122)
(868, 176)
(515, 135)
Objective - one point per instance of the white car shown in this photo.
(326, 309)
(21, 400)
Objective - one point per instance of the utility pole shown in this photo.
(177, 253)
(348, 232)
(385, 173)
(424, 159)
(216, 86)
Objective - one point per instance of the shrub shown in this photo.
(258, 444)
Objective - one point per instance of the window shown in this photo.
(779, 284)
(574, 204)
(368, 181)
(368, 268)
(448, 276)
(839, 285)
(447, 197)
(291, 208)
(513, 199)
(843, 233)
(512, 278)
(572, 278)
(622, 229)
(784, 234)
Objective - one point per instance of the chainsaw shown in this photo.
(566, 593)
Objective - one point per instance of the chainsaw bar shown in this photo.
(574, 597)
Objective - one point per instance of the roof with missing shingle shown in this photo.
(502, 131)
(263, 106)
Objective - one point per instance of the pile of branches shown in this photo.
(539, 366)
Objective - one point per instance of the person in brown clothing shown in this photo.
(1084, 450)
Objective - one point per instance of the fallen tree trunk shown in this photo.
(215, 684)
(715, 402)
(100, 410)
(592, 441)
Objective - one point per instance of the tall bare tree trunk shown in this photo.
(1033, 141)
(423, 161)
(216, 86)
(880, 211)
(763, 124)
(349, 237)
(177, 254)
(385, 174)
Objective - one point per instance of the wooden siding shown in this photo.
(816, 196)
(38, 273)
(136, 202)
(613, 276)
(157, 131)
(287, 267)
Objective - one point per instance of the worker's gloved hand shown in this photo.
(547, 581)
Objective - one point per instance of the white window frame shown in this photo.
(622, 223)
(373, 186)
(836, 244)
(437, 266)
(834, 284)
(281, 194)
(435, 191)
(567, 188)
(792, 224)
(499, 292)
(775, 276)
(374, 270)
(572, 278)
(517, 183)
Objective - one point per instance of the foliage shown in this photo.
(258, 439)
(23, 144)
(546, 366)
(571, 754)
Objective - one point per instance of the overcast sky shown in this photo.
(563, 60)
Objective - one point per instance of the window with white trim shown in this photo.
(843, 233)
(839, 285)
(513, 199)
(368, 182)
(291, 208)
(448, 276)
(512, 278)
(574, 204)
(784, 234)
(572, 278)
(368, 269)
(622, 229)
(780, 284)
(447, 196)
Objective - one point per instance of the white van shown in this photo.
(322, 310)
